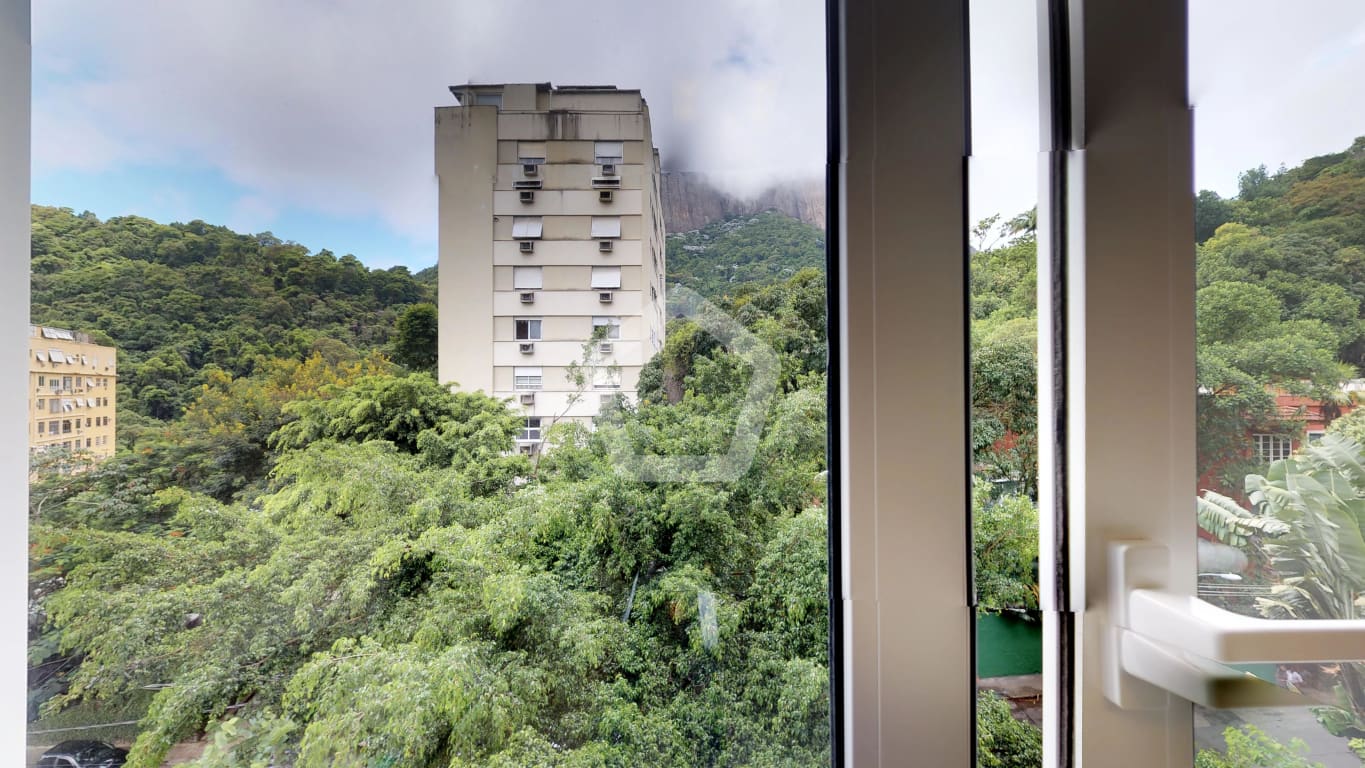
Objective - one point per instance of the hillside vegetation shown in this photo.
(1281, 281)
(179, 299)
(729, 256)
(326, 559)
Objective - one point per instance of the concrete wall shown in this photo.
(466, 165)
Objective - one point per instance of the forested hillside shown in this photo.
(743, 252)
(176, 299)
(328, 561)
(1281, 281)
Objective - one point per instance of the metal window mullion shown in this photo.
(903, 412)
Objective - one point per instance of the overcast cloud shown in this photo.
(327, 106)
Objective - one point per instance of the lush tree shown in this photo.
(1307, 519)
(414, 343)
(1004, 550)
(1002, 740)
(1250, 747)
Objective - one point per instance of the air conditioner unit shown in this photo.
(527, 196)
(528, 297)
(527, 450)
(608, 169)
(527, 184)
(604, 348)
(604, 196)
(604, 297)
(529, 169)
(606, 182)
(528, 398)
(527, 246)
(527, 347)
(604, 246)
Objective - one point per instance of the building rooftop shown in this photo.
(462, 92)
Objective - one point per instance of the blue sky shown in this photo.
(184, 193)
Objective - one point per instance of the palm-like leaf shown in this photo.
(1233, 525)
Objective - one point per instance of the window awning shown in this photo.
(526, 226)
(57, 355)
(41, 355)
(606, 226)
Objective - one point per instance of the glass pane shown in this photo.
(1280, 165)
(343, 463)
(1003, 184)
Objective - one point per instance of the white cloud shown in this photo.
(1273, 87)
(327, 106)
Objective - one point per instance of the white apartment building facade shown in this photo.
(551, 247)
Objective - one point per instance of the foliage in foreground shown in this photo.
(1307, 525)
(404, 592)
(1250, 747)
(1001, 740)
(1004, 549)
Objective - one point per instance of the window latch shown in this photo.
(1159, 642)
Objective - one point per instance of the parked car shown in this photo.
(83, 753)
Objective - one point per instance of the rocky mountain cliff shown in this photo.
(691, 202)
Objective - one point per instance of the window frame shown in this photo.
(529, 433)
(897, 174)
(1268, 447)
(525, 381)
(611, 322)
(537, 322)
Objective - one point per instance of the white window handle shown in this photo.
(1160, 642)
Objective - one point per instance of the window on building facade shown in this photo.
(526, 278)
(527, 377)
(526, 227)
(608, 152)
(527, 328)
(606, 277)
(605, 227)
(610, 327)
(531, 152)
(1268, 448)
(531, 430)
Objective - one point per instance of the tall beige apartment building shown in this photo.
(551, 235)
(72, 389)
